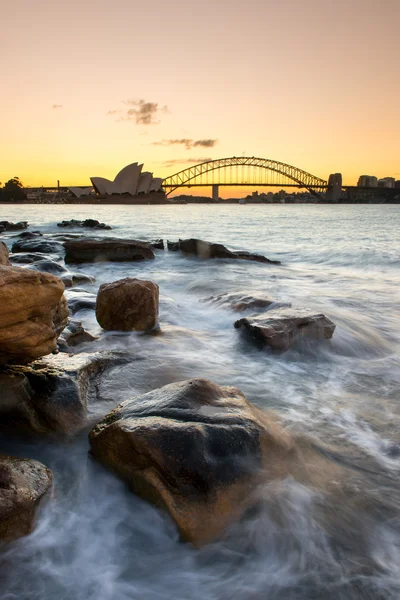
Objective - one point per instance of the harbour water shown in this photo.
(95, 540)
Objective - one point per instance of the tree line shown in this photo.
(12, 191)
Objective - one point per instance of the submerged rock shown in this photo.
(111, 249)
(74, 335)
(28, 302)
(241, 301)
(38, 245)
(27, 258)
(172, 246)
(198, 449)
(80, 300)
(29, 235)
(23, 483)
(91, 223)
(4, 254)
(282, 327)
(48, 266)
(128, 305)
(203, 249)
(157, 244)
(8, 226)
(73, 279)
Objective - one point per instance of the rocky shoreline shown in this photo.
(199, 450)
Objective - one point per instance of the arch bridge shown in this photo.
(244, 171)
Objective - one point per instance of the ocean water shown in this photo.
(94, 540)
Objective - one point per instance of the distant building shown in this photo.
(386, 182)
(130, 180)
(367, 181)
(78, 192)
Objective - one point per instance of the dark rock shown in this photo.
(207, 250)
(241, 301)
(48, 266)
(111, 249)
(29, 235)
(23, 483)
(128, 305)
(48, 247)
(80, 300)
(7, 226)
(4, 255)
(73, 279)
(173, 246)
(74, 335)
(281, 328)
(157, 244)
(91, 223)
(27, 258)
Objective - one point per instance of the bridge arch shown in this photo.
(186, 177)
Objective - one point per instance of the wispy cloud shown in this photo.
(184, 161)
(57, 106)
(188, 143)
(140, 111)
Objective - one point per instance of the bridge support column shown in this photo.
(334, 191)
(215, 192)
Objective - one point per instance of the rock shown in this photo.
(61, 316)
(195, 448)
(73, 335)
(111, 249)
(73, 279)
(4, 254)
(7, 226)
(27, 303)
(157, 244)
(27, 258)
(48, 247)
(127, 305)
(80, 300)
(48, 266)
(23, 483)
(29, 235)
(52, 394)
(282, 327)
(241, 301)
(92, 223)
(202, 249)
(172, 246)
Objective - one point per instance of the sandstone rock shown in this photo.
(80, 300)
(127, 305)
(73, 335)
(282, 327)
(51, 395)
(7, 226)
(111, 249)
(61, 316)
(38, 245)
(202, 249)
(23, 483)
(4, 254)
(241, 301)
(28, 300)
(74, 279)
(201, 451)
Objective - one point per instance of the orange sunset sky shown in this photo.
(89, 86)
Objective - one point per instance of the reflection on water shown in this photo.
(95, 540)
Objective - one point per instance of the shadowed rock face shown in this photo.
(195, 448)
(113, 250)
(28, 302)
(4, 254)
(23, 483)
(128, 305)
(202, 249)
(281, 328)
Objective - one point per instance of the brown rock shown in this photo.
(241, 301)
(127, 305)
(110, 249)
(282, 327)
(23, 483)
(61, 316)
(4, 254)
(28, 300)
(202, 249)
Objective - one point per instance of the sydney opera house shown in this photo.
(130, 180)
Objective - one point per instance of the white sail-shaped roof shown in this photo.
(144, 182)
(155, 184)
(128, 181)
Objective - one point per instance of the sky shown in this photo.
(89, 86)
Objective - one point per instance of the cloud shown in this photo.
(57, 106)
(185, 161)
(188, 143)
(140, 111)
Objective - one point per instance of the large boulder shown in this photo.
(111, 249)
(203, 249)
(128, 305)
(201, 451)
(4, 254)
(52, 394)
(61, 316)
(281, 328)
(23, 483)
(38, 245)
(28, 301)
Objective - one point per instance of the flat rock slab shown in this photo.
(23, 483)
(281, 328)
(38, 245)
(207, 250)
(110, 249)
(241, 301)
(26, 258)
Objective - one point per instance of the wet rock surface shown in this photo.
(208, 250)
(241, 301)
(173, 246)
(4, 254)
(112, 249)
(38, 245)
(80, 300)
(23, 483)
(27, 258)
(281, 328)
(28, 300)
(128, 305)
(157, 244)
(48, 266)
(74, 335)
(89, 223)
(7, 226)
(74, 279)
(29, 235)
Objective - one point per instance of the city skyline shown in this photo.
(91, 87)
